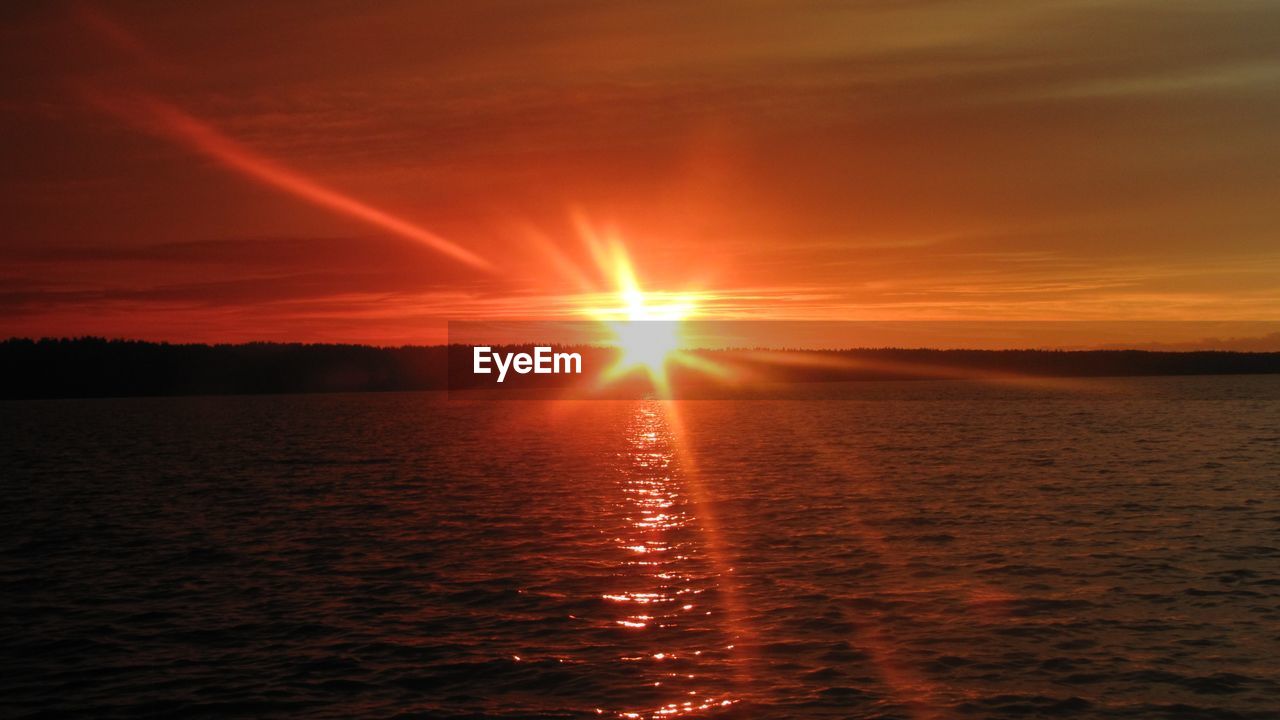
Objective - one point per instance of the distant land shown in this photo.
(97, 367)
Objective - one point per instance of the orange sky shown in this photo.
(336, 171)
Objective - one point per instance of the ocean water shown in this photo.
(1086, 549)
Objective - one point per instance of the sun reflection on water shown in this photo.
(666, 604)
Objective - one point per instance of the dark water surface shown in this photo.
(1085, 549)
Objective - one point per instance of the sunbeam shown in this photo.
(169, 121)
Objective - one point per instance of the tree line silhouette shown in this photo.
(97, 367)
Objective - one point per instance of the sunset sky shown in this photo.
(364, 172)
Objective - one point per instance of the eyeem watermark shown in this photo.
(542, 362)
(727, 359)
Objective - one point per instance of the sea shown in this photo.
(1100, 548)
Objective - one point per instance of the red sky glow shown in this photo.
(325, 172)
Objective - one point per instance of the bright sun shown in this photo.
(648, 336)
(646, 327)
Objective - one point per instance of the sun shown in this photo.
(645, 327)
(645, 343)
(648, 337)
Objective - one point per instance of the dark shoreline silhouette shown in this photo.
(96, 367)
